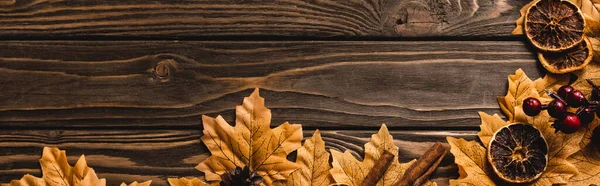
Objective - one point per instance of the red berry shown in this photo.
(570, 124)
(587, 115)
(576, 98)
(564, 91)
(595, 95)
(532, 106)
(557, 109)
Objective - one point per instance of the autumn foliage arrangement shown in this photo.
(551, 134)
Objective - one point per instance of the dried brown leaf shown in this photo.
(473, 167)
(489, 125)
(351, 171)
(586, 160)
(519, 29)
(589, 8)
(521, 87)
(251, 142)
(56, 171)
(188, 182)
(313, 160)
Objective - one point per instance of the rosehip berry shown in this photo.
(564, 91)
(587, 115)
(557, 109)
(570, 124)
(576, 99)
(595, 95)
(532, 106)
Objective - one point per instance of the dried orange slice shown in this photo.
(573, 59)
(554, 25)
(518, 153)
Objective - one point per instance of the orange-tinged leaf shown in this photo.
(519, 28)
(251, 142)
(520, 87)
(188, 182)
(473, 167)
(135, 183)
(56, 171)
(313, 160)
(586, 160)
(489, 125)
(560, 147)
(351, 171)
(27, 180)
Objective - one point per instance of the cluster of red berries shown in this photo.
(567, 96)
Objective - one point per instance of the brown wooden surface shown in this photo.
(263, 18)
(125, 82)
(107, 100)
(127, 155)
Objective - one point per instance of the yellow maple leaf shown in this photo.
(56, 171)
(489, 125)
(135, 183)
(188, 182)
(586, 160)
(348, 170)
(521, 87)
(519, 29)
(313, 161)
(473, 167)
(251, 142)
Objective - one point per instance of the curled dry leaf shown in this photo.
(56, 171)
(351, 171)
(251, 142)
(313, 160)
(135, 183)
(188, 182)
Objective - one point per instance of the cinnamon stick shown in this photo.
(379, 168)
(419, 171)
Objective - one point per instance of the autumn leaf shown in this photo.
(521, 87)
(56, 171)
(589, 8)
(313, 161)
(519, 29)
(135, 183)
(473, 167)
(27, 180)
(489, 125)
(348, 170)
(188, 182)
(587, 159)
(251, 142)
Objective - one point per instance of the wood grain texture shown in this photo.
(257, 18)
(324, 84)
(130, 155)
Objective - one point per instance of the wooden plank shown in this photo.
(295, 18)
(325, 84)
(130, 155)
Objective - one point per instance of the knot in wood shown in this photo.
(165, 69)
(162, 70)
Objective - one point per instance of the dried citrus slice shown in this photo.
(554, 25)
(518, 153)
(573, 59)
